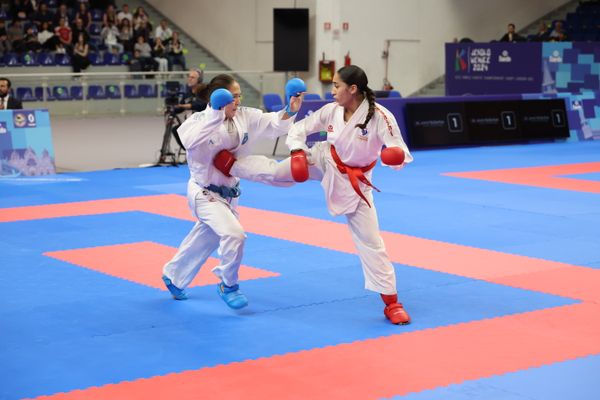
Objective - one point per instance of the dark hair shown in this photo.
(353, 75)
(513, 25)
(7, 81)
(221, 81)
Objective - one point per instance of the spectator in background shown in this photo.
(511, 35)
(63, 13)
(143, 29)
(31, 40)
(558, 34)
(5, 45)
(542, 33)
(124, 14)
(176, 55)
(110, 37)
(85, 15)
(8, 102)
(159, 51)
(22, 9)
(145, 54)
(81, 51)
(163, 32)
(126, 35)
(139, 16)
(80, 28)
(43, 15)
(110, 16)
(64, 34)
(16, 37)
(46, 37)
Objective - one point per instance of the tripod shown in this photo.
(167, 155)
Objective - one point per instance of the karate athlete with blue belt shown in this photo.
(212, 195)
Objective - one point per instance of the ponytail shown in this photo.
(370, 95)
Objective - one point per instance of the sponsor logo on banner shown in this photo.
(460, 60)
(23, 119)
(504, 57)
(555, 57)
(480, 59)
(3, 128)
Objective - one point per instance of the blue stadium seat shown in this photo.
(12, 60)
(76, 92)
(25, 94)
(61, 93)
(147, 90)
(96, 14)
(38, 92)
(111, 58)
(394, 93)
(46, 59)
(95, 29)
(113, 91)
(272, 102)
(328, 96)
(96, 92)
(30, 59)
(62, 59)
(126, 57)
(312, 96)
(96, 58)
(131, 91)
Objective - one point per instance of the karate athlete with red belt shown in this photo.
(213, 196)
(357, 129)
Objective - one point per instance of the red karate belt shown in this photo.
(355, 174)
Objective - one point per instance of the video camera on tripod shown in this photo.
(173, 98)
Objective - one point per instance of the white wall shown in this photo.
(239, 32)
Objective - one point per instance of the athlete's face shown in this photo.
(342, 92)
(236, 91)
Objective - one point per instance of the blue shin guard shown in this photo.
(232, 296)
(178, 294)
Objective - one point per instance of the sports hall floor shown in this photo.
(497, 253)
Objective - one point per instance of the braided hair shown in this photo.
(353, 75)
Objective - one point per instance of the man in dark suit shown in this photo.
(8, 102)
(511, 35)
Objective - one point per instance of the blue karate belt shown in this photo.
(225, 191)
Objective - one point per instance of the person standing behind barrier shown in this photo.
(213, 196)
(8, 102)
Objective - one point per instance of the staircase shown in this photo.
(438, 86)
(197, 56)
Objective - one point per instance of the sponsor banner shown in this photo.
(493, 68)
(25, 143)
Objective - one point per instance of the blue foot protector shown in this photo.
(232, 296)
(178, 294)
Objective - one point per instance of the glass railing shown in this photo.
(124, 92)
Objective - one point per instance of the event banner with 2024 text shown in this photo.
(505, 68)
